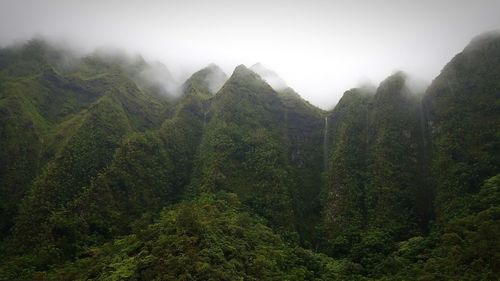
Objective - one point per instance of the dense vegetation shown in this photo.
(107, 174)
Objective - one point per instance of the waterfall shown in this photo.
(325, 145)
(422, 120)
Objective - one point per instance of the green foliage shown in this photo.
(466, 248)
(206, 239)
(21, 129)
(87, 152)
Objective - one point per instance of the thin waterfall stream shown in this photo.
(325, 145)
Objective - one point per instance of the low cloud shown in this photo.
(215, 79)
(271, 77)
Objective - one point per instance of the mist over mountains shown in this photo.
(113, 169)
(151, 73)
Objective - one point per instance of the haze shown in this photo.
(320, 48)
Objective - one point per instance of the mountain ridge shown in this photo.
(103, 176)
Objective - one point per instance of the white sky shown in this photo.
(321, 48)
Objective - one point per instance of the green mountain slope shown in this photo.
(58, 131)
(304, 129)
(243, 150)
(344, 194)
(462, 106)
(394, 165)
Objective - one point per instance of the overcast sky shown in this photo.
(320, 48)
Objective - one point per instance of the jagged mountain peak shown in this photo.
(484, 39)
(353, 95)
(270, 76)
(118, 57)
(393, 86)
(213, 66)
(242, 70)
(289, 92)
(245, 77)
(209, 79)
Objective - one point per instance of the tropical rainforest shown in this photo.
(104, 175)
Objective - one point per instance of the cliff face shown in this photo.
(461, 108)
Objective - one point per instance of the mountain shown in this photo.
(346, 163)
(142, 172)
(374, 184)
(394, 177)
(272, 78)
(265, 148)
(63, 116)
(112, 170)
(461, 108)
(244, 149)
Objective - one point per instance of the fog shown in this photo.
(215, 78)
(320, 48)
(272, 78)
